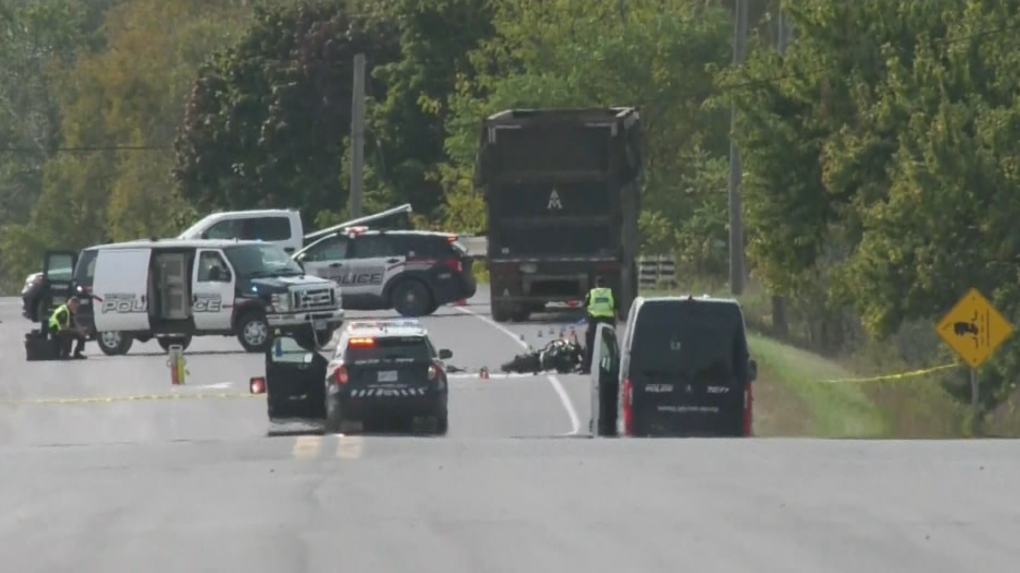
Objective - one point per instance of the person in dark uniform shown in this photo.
(601, 309)
(63, 329)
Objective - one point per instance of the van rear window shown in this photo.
(689, 339)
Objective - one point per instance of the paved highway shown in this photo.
(194, 484)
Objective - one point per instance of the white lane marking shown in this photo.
(219, 386)
(307, 446)
(575, 420)
(349, 447)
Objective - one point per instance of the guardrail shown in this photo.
(659, 270)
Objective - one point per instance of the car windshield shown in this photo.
(262, 261)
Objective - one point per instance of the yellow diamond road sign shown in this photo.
(974, 329)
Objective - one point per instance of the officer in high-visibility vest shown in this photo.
(601, 306)
(63, 329)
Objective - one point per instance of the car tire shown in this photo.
(166, 343)
(40, 310)
(442, 423)
(253, 332)
(411, 299)
(334, 421)
(113, 343)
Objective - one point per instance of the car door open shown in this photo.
(295, 381)
(605, 376)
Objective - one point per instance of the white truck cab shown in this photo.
(280, 227)
(173, 290)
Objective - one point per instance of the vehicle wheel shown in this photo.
(500, 312)
(411, 299)
(442, 424)
(521, 314)
(334, 421)
(253, 332)
(166, 343)
(40, 310)
(114, 343)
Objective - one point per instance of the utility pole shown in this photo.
(358, 138)
(780, 322)
(736, 214)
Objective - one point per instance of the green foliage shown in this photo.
(126, 91)
(658, 56)
(266, 120)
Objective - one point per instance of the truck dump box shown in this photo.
(562, 189)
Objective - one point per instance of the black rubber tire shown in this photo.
(254, 317)
(411, 299)
(166, 343)
(121, 348)
(442, 424)
(500, 312)
(521, 314)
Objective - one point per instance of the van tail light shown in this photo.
(454, 265)
(628, 408)
(340, 376)
(748, 411)
(38, 280)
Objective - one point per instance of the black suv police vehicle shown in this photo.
(412, 272)
(384, 375)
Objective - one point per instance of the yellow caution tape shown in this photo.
(141, 398)
(900, 376)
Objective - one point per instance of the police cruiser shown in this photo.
(173, 290)
(386, 373)
(412, 272)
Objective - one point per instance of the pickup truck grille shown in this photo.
(314, 299)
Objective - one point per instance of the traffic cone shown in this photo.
(257, 385)
(483, 373)
(540, 333)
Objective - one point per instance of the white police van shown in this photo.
(173, 290)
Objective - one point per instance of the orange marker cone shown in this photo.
(483, 373)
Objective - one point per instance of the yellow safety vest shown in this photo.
(600, 303)
(61, 318)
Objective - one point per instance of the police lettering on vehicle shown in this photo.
(207, 303)
(124, 303)
(373, 277)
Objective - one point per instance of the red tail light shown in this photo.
(452, 239)
(628, 408)
(454, 265)
(748, 411)
(340, 375)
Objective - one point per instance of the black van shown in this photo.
(683, 369)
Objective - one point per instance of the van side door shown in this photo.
(121, 289)
(605, 381)
(212, 291)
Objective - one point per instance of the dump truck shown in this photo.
(562, 188)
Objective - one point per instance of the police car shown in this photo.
(387, 374)
(173, 290)
(412, 272)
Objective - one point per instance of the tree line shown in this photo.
(879, 149)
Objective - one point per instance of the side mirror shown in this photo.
(445, 354)
(752, 370)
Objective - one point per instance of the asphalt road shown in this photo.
(194, 484)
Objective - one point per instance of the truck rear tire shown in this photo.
(501, 312)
